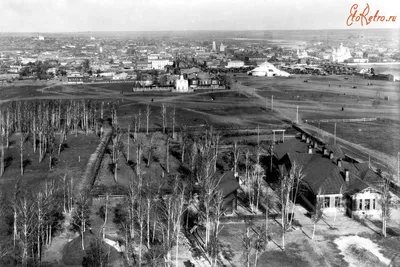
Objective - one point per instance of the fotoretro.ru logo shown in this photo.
(365, 18)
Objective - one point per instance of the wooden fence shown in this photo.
(342, 120)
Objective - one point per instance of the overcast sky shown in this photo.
(169, 15)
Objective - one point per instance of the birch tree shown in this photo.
(236, 154)
(164, 117)
(173, 123)
(117, 147)
(81, 216)
(385, 201)
(148, 112)
(318, 213)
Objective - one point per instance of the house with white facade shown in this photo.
(182, 85)
(235, 64)
(341, 186)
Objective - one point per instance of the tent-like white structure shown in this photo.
(269, 70)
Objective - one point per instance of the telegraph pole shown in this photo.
(272, 102)
(369, 161)
(335, 135)
(297, 115)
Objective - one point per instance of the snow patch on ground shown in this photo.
(344, 242)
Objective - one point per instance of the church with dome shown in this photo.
(340, 54)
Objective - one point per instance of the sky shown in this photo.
(180, 15)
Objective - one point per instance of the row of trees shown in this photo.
(41, 121)
(32, 216)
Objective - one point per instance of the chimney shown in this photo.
(347, 175)
(339, 163)
(331, 155)
(308, 140)
(315, 144)
(310, 150)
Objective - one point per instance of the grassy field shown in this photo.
(383, 135)
(323, 97)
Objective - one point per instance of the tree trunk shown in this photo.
(183, 152)
(167, 152)
(256, 259)
(148, 223)
(50, 162)
(313, 232)
(115, 172)
(129, 147)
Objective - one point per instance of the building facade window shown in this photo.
(327, 201)
(367, 204)
(360, 204)
(337, 202)
(373, 204)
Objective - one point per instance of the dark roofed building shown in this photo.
(229, 186)
(331, 179)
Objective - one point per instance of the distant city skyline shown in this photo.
(181, 15)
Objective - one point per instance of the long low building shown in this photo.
(268, 70)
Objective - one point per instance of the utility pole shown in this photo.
(272, 102)
(297, 115)
(335, 135)
(369, 161)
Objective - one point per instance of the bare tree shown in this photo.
(185, 137)
(285, 189)
(318, 213)
(167, 154)
(148, 112)
(81, 215)
(296, 172)
(247, 165)
(164, 117)
(341, 192)
(128, 149)
(179, 190)
(21, 150)
(25, 225)
(236, 154)
(51, 143)
(106, 200)
(218, 209)
(173, 123)
(260, 243)
(247, 244)
(117, 147)
(385, 205)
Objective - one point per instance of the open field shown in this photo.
(368, 134)
(323, 97)
(220, 109)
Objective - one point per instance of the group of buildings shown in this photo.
(110, 57)
(328, 176)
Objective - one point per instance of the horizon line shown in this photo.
(201, 30)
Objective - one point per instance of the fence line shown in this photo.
(93, 166)
(342, 120)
